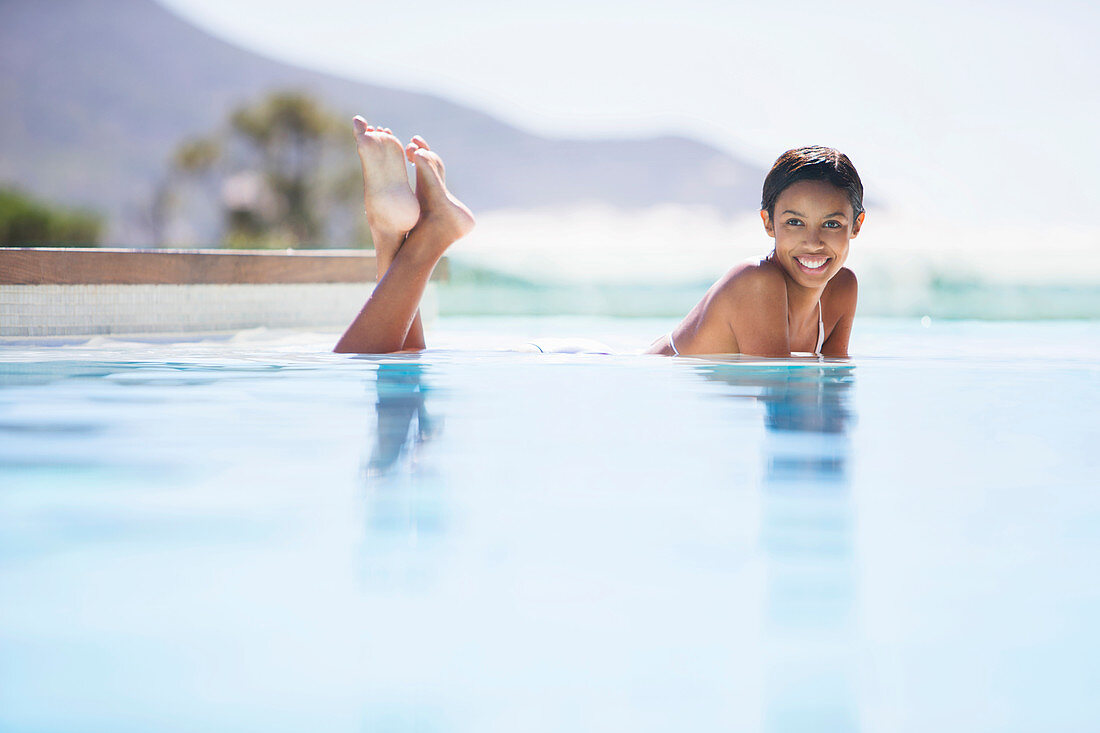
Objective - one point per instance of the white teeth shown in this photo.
(812, 263)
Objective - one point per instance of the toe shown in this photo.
(387, 130)
(418, 158)
(359, 123)
(429, 161)
(410, 150)
(421, 142)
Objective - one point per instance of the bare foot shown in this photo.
(448, 217)
(391, 207)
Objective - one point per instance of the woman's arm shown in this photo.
(745, 312)
(757, 312)
(840, 297)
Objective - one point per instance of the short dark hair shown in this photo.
(812, 163)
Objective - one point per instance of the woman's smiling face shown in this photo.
(812, 227)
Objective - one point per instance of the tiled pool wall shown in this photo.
(91, 310)
(61, 310)
(87, 292)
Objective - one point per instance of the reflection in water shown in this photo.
(405, 506)
(807, 541)
(401, 397)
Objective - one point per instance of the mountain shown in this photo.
(97, 93)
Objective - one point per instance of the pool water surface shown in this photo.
(248, 532)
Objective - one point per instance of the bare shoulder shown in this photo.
(842, 288)
(753, 295)
(753, 309)
(754, 282)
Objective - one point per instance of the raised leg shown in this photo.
(385, 323)
(391, 207)
(384, 254)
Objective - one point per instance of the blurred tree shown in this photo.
(277, 175)
(28, 222)
(193, 162)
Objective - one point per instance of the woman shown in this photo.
(798, 299)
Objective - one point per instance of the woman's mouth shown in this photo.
(812, 264)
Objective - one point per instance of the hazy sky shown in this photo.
(979, 111)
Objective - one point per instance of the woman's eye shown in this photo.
(793, 222)
(832, 224)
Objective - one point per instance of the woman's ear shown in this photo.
(858, 223)
(768, 227)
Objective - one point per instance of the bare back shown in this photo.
(748, 311)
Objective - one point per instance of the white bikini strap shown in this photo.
(672, 344)
(820, 329)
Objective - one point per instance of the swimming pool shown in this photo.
(249, 533)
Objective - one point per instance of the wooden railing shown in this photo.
(78, 292)
(80, 266)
